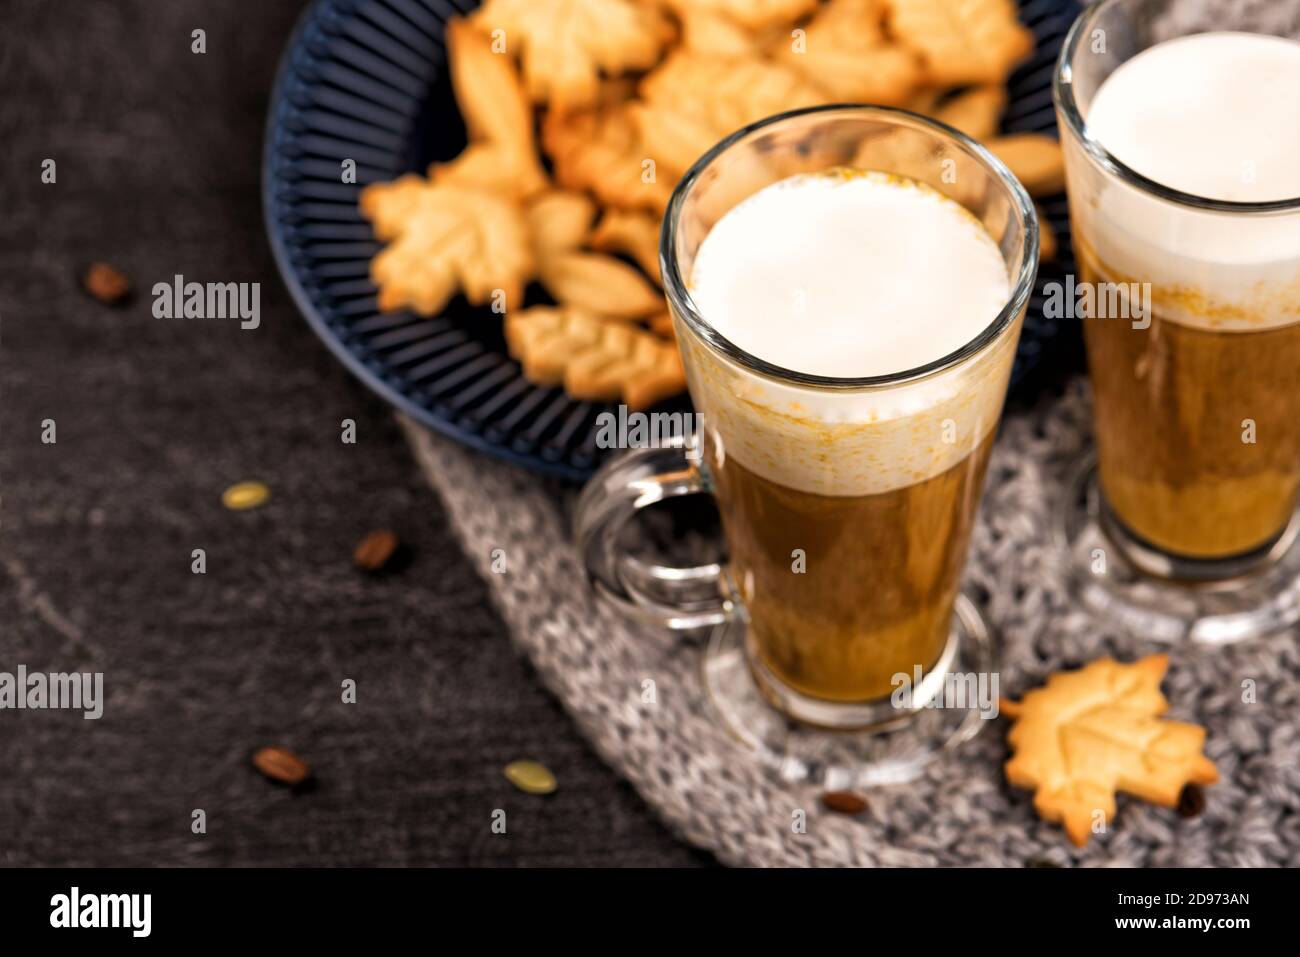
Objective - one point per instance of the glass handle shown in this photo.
(677, 598)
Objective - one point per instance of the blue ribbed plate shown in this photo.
(367, 80)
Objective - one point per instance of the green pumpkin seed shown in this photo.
(531, 777)
(245, 495)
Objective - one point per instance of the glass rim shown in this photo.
(683, 304)
(1068, 107)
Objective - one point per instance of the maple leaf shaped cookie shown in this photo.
(565, 45)
(962, 41)
(594, 358)
(844, 50)
(502, 154)
(1089, 733)
(752, 14)
(601, 150)
(704, 30)
(693, 100)
(976, 112)
(388, 206)
(558, 222)
(634, 233)
(453, 238)
(599, 284)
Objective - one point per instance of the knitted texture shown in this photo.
(717, 795)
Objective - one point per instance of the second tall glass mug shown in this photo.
(1197, 402)
(875, 482)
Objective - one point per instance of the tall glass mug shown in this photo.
(847, 504)
(1193, 325)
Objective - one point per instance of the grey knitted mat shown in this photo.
(717, 795)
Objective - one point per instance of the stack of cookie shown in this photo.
(630, 94)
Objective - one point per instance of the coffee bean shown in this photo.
(245, 495)
(1191, 801)
(844, 802)
(108, 285)
(281, 765)
(531, 777)
(376, 550)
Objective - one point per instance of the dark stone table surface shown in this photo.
(158, 154)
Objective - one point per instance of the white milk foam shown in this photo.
(1216, 115)
(849, 274)
(852, 276)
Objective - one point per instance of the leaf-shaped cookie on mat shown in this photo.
(453, 238)
(565, 45)
(1089, 733)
